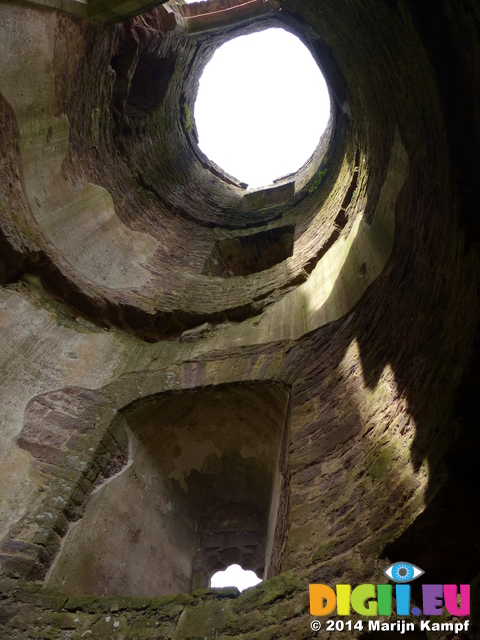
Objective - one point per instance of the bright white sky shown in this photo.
(262, 106)
(234, 576)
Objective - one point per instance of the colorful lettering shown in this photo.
(451, 600)
(322, 600)
(384, 599)
(343, 599)
(360, 596)
(432, 599)
(402, 595)
(368, 600)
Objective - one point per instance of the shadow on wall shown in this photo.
(413, 332)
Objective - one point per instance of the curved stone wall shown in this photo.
(124, 172)
(370, 326)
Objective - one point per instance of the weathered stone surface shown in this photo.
(108, 214)
(260, 198)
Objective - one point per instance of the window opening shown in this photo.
(262, 106)
(235, 576)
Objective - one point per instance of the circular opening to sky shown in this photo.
(262, 106)
(234, 576)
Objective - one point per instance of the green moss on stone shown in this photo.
(383, 463)
(325, 551)
(225, 592)
(188, 117)
(47, 599)
(319, 177)
(167, 607)
(203, 620)
(267, 592)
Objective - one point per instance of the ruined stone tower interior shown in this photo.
(195, 373)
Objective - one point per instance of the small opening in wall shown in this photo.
(243, 255)
(235, 576)
(262, 106)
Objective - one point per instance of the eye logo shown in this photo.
(403, 572)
